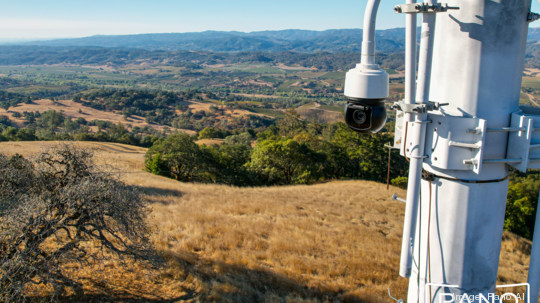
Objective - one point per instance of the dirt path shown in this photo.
(533, 100)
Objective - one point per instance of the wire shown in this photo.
(405, 142)
(428, 243)
(419, 242)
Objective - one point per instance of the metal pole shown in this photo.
(389, 160)
(417, 135)
(478, 55)
(410, 90)
(534, 265)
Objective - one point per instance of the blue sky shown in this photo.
(78, 18)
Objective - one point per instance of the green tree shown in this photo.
(5, 105)
(518, 208)
(208, 133)
(156, 165)
(368, 155)
(291, 125)
(243, 138)
(50, 120)
(230, 164)
(182, 156)
(285, 161)
(10, 133)
(26, 134)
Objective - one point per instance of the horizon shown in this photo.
(63, 19)
(31, 39)
(246, 32)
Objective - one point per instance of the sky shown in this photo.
(81, 18)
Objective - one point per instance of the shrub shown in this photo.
(400, 182)
(53, 210)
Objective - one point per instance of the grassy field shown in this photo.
(267, 112)
(338, 109)
(391, 71)
(90, 72)
(333, 75)
(332, 242)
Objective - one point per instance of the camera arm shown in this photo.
(368, 43)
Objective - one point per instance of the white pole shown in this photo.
(410, 91)
(477, 64)
(534, 265)
(417, 135)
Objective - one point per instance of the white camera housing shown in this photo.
(366, 82)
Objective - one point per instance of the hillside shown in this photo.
(76, 110)
(332, 242)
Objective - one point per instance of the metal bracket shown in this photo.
(520, 142)
(531, 17)
(455, 143)
(415, 8)
(417, 108)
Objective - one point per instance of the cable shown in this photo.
(430, 177)
(419, 241)
(428, 246)
(405, 142)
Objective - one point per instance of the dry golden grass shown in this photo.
(210, 141)
(331, 242)
(197, 106)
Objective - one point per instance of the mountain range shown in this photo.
(302, 41)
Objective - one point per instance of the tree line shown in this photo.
(291, 152)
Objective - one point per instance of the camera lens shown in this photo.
(359, 116)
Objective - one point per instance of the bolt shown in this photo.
(418, 7)
(435, 158)
(435, 129)
(397, 9)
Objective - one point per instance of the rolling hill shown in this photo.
(331, 242)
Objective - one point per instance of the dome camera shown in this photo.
(367, 117)
(366, 89)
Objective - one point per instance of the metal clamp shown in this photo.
(531, 17)
(415, 8)
(417, 108)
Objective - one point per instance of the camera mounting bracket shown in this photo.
(415, 8)
(417, 108)
(450, 143)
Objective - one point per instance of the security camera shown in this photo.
(366, 89)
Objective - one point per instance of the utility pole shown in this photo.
(469, 81)
(463, 130)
